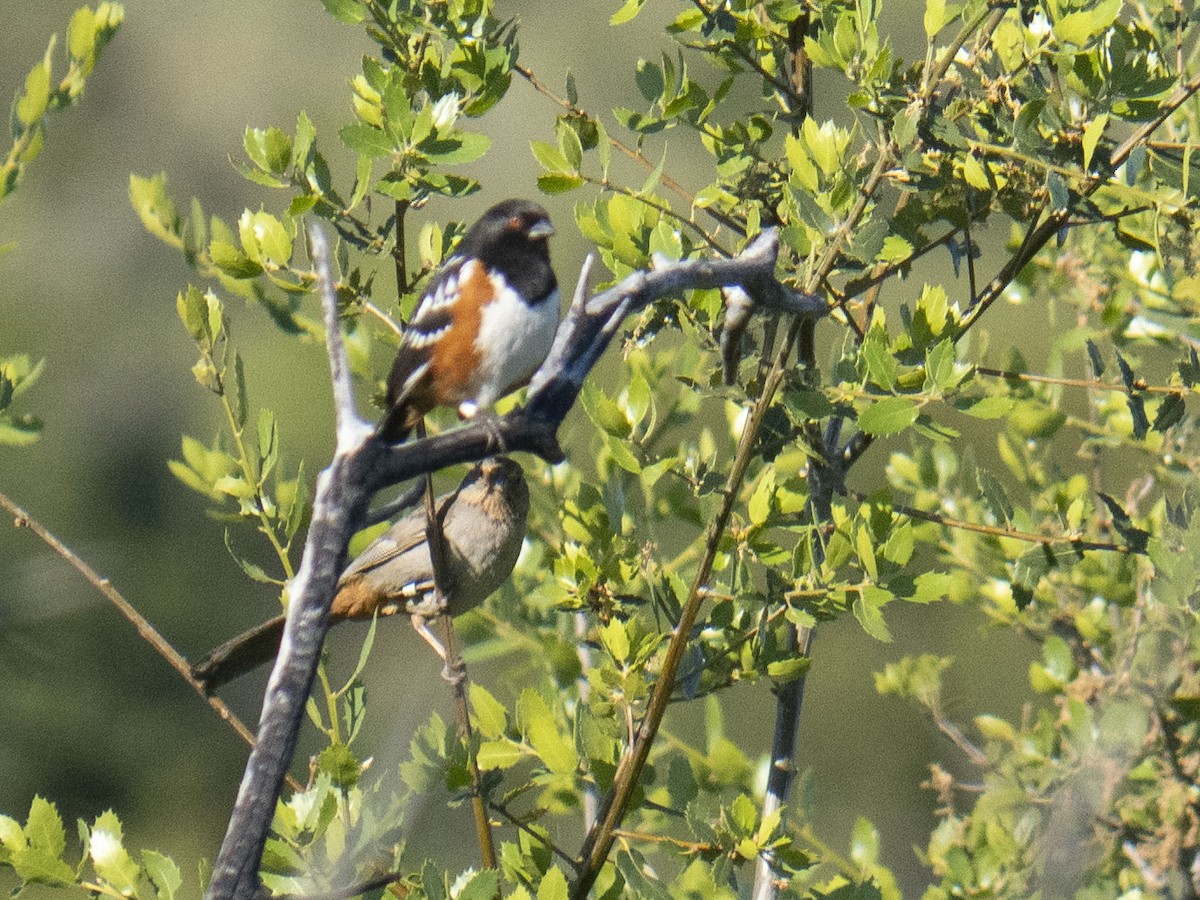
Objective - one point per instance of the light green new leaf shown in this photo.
(540, 729)
(888, 416)
(1091, 137)
(553, 886)
(163, 874)
(627, 13)
(867, 605)
(491, 718)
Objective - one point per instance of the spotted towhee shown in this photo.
(485, 324)
(483, 525)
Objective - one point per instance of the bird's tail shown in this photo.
(394, 427)
(240, 655)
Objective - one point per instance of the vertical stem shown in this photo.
(788, 702)
(591, 794)
(456, 670)
(398, 251)
(462, 710)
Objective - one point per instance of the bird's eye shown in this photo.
(515, 223)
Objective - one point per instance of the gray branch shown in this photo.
(363, 465)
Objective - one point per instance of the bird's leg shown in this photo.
(455, 669)
(420, 625)
(468, 411)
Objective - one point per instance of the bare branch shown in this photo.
(351, 429)
(339, 505)
(22, 519)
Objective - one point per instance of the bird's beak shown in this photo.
(541, 229)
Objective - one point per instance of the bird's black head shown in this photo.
(512, 227)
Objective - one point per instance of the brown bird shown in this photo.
(483, 525)
(485, 324)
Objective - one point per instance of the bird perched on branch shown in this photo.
(482, 524)
(486, 322)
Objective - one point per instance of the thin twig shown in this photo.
(160, 645)
(502, 810)
(1090, 384)
(591, 792)
(1047, 540)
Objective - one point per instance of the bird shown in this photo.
(482, 524)
(485, 323)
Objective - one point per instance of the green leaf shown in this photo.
(1087, 26)
(33, 103)
(935, 305)
(759, 508)
(462, 147)
(163, 874)
(111, 860)
(994, 407)
(19, 431)
(975, 174)
(491, 718)
(941, 372)
(867, 607)
(472, 885)
(550, 157)
(604, 412)
(268, 148)
(155, 208)
(994, 496)
(878, 359)
(553, 886)
(502, 754)
(627, 13)
(1027, 573)
(895, 249)
(615, 639)
(569, 143)
(888, 416)
(81, 34)
(268, 443)
(541, 730)
(350, 12)
(339, 763)
(1060, 193)
(193, 312)
(44, 827)
(367, 140)
(782, 671)
(864, 844)
(935, 17)
(236, 389)
(558, 183)
(1091, 137)
(865, 549)
(232, 261)
(1170, 411)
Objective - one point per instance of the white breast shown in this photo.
(514, 339)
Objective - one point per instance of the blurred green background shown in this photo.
(90, 717)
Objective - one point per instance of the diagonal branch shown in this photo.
(150, 634)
